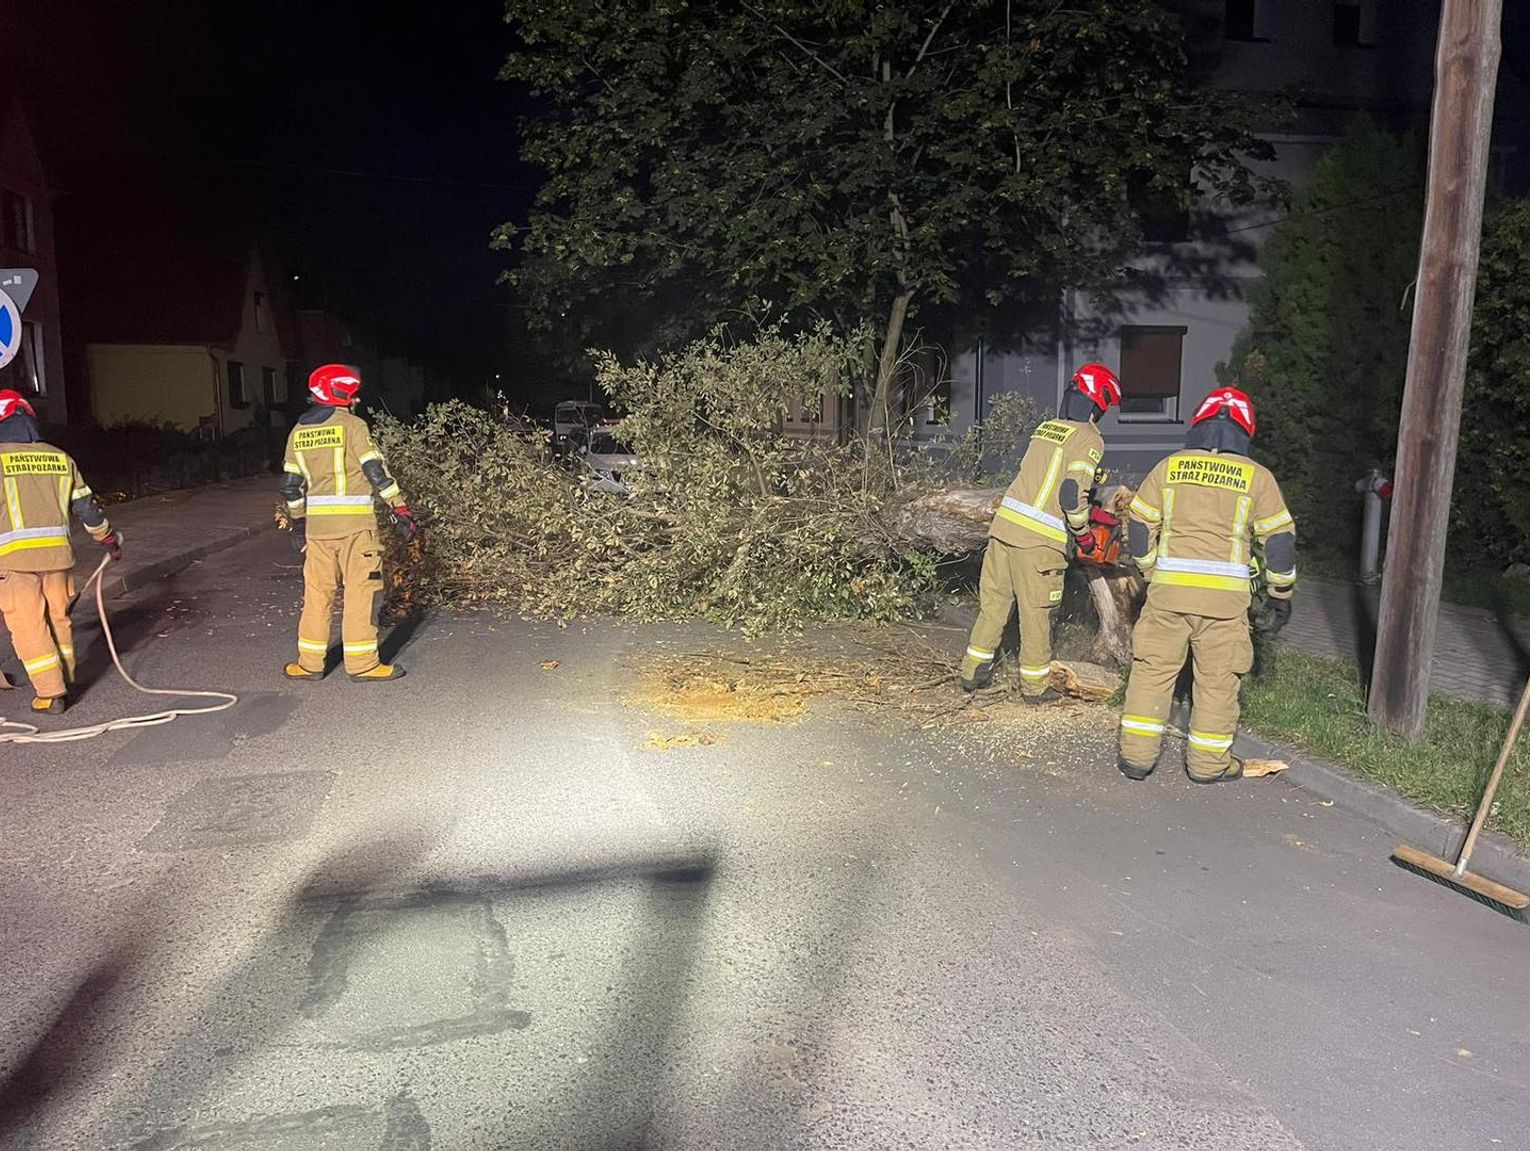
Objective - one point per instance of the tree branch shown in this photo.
(925, 47)
(803, 48)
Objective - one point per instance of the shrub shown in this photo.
(130, 460)
(1491, 518)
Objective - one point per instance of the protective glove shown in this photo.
(403, 523)
(112, 542)
(1280, 614)
(297, 535)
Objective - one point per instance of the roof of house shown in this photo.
(148, 260)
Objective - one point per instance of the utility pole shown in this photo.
(1465, 74)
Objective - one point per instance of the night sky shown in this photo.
(370, 139)
(374, 137)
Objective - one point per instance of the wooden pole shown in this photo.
(1466, 71)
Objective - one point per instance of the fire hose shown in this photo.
(12, 731)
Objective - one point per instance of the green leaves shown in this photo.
(1327, 352)
(706, 154)
(727, 517)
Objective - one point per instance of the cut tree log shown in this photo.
(1087, 681)
(954, 521)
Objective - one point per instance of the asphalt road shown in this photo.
(476, 909)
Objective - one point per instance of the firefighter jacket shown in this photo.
(331, 472)
(1049, 499)
(42, 486)
(1195, 520)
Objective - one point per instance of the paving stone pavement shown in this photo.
(162, 534)
(1477, 654)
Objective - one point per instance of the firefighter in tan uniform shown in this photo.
(42, 487)
(1043, 514)
(1195, 520)
(331, 474)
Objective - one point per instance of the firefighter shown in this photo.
(1194, 523)
(1043, 515)
(42, 486)
(331, 474)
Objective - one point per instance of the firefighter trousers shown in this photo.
(1032, 580)
(353, 565)
(1222, 651)
(36, 610)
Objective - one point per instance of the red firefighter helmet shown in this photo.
(1099, 383)
(335, 385)
(13, 402)
(1228, 402)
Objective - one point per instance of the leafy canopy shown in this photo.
(832, 155)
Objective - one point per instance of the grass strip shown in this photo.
(1318, 705)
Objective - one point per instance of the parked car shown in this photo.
(608, 461)
(574, 421)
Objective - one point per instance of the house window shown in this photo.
(1353, 24)
(1239, 24)
(268, 387)
(16, 226)
(238, 390)
(260, 311)
(1150, 367)
(1163, 213)
(26, 372)
(937, 402)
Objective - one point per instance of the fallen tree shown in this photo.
(725, 517)
(954, 521)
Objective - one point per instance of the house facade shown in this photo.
(225, 372)
(27, 241)
(1167, 333)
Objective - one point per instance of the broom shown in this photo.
(1455, 874)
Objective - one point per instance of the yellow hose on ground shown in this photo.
(14, 732)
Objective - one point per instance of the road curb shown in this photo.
(1494, 855)
(138, 577)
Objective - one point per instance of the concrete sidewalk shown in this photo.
(1477, 655)
(163, 534)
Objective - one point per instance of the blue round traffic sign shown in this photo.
(10, 329)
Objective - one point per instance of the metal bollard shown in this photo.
(1376, 488)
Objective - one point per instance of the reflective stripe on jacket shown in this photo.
(41, 486)
(1203, 512)
(1032, 514)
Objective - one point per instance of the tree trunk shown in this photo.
(879, 422)
(955, 522)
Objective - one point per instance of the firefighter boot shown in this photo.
(298, 671)
(382, 673)
(1234, 770)
(50, 704)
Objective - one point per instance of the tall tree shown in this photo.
(1327, 346)
(852, 158)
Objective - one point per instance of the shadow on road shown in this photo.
(308, 985)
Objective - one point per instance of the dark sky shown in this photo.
(373, 134)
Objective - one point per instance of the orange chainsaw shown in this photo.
(1105, 530)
